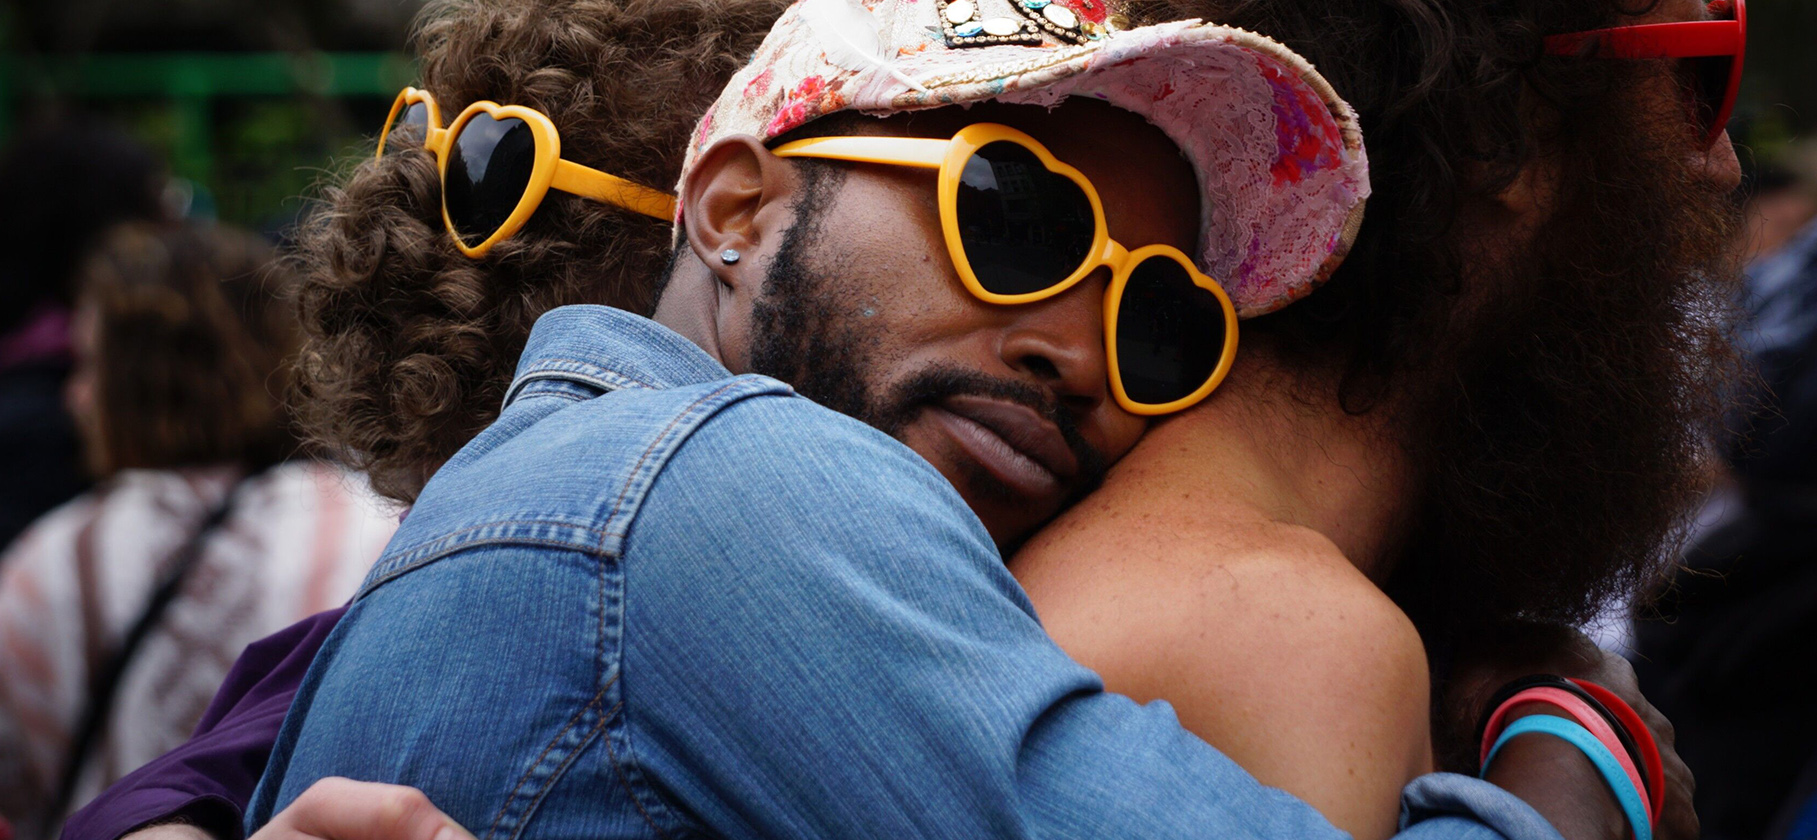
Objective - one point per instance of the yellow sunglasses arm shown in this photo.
(611, 189)
(901, 151)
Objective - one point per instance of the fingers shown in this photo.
(343, 809)
(1679, 820)
(160, 832)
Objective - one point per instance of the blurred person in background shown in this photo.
(65, 182)
(121, 611)
(1784, 203)
(1729, 657)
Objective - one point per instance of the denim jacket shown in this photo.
(655, 599)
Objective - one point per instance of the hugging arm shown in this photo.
(341, 809)
(852, 659)
(843, 654)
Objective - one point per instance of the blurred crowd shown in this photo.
(160, 510)
(1724, 648)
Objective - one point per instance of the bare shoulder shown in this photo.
(1198, 599)
(1267, 641)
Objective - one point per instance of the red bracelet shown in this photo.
(1575, 708)
(1649, 749)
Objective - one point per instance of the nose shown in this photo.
(1721, 165)
(1058, 343)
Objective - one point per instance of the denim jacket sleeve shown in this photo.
(780, 624)
(841, 653)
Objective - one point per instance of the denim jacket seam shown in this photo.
(637, 792)
(650, 463)
(559, 395)
(640, 477)
(390, 568)
(597, 730)
(574, 370)
(617, 723)
(587, 367)
(605, 532)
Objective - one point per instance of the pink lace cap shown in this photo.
(1278, 154)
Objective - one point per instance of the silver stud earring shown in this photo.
(729, 256)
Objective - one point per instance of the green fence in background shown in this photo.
(253, 127)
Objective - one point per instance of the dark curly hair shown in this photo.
(1554, 398)
(409, 344)
(1441, 88)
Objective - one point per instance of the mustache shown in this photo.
(934, 384)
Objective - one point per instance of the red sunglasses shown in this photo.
(1710, 53)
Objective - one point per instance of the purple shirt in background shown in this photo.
(209, 779)
(42, 336)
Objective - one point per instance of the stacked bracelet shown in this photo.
(1636, 739)
(1630, 722)
(1627, 794)
(1575, 709)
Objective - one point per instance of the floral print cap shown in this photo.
(1279, 156)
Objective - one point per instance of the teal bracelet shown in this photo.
(1599, 755)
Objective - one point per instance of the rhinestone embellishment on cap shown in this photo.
(1002, 27)
(963, 27)
(1056, 20)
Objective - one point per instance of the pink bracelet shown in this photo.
(1577, 710)
(1643, 737)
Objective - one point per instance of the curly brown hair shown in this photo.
(410, 345)
(192, 331)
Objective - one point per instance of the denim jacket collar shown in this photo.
(610, 349)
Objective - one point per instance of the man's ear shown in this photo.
(739, 197)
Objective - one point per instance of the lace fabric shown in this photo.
(1278, 154)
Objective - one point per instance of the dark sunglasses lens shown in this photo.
(1023, 228)
(489, 168)
(410, 127)
(416, 117)
(1170, 333)
(1708, 78)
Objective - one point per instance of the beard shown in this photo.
(831, 349)
(1562, 424)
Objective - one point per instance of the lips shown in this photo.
(1013, 442)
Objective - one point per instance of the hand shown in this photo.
(170, 831)
(1546, 649)
(343, 809)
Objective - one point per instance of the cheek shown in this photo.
(1120, 429)
(892, 263)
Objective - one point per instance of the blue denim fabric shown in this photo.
(658, 600)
